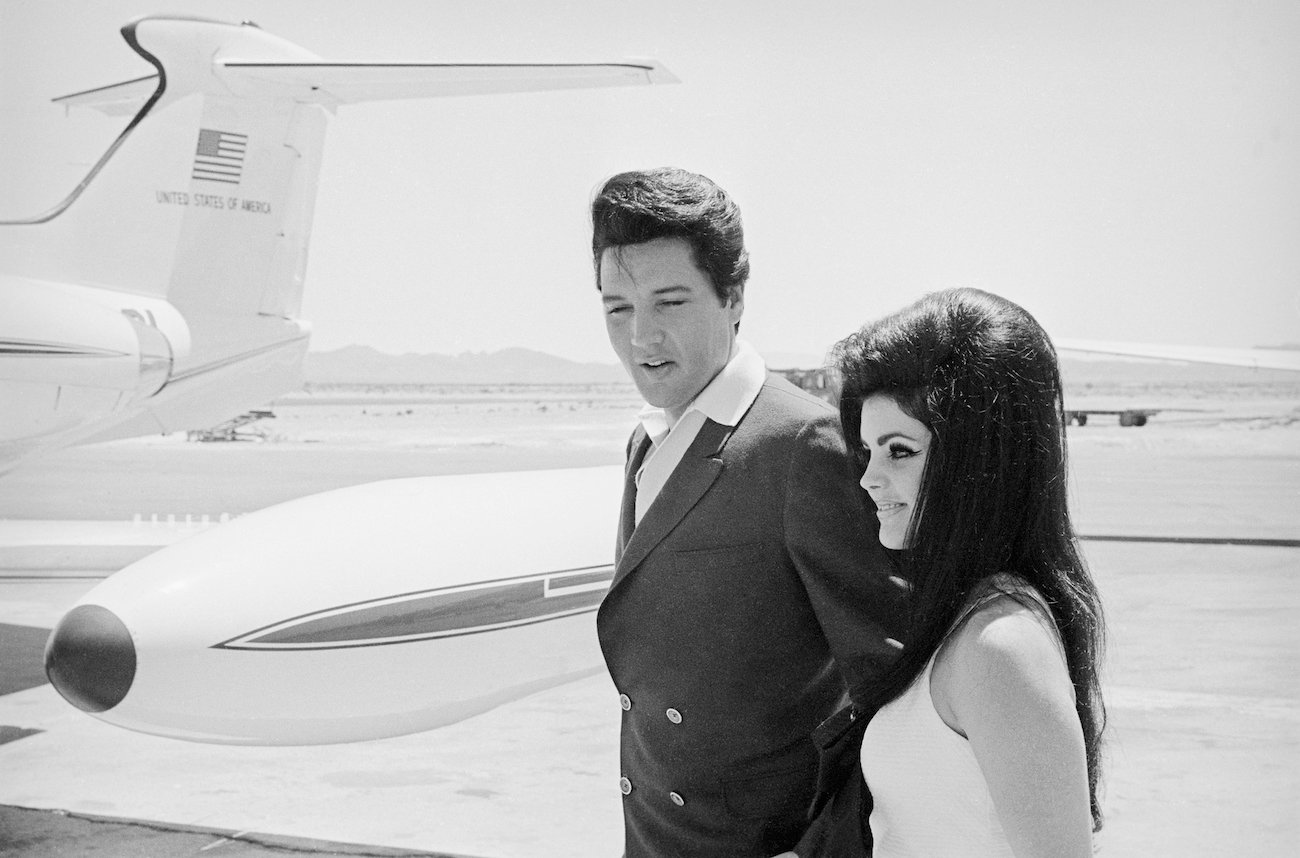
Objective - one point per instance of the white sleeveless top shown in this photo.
(930, 797)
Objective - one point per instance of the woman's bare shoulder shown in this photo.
(1006, 653)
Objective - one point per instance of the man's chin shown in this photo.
(656, 398)
(652, 393)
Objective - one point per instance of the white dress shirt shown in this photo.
(724, 400)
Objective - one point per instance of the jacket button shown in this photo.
(677, 798)
(625, 702)
(674, 716)
(625, 786)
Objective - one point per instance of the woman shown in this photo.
(987, 739)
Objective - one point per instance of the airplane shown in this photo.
(163, 292)
(279, 627)
(821, 382)
(1281, 358)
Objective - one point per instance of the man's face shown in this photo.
(665, 321)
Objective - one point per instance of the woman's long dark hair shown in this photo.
(981, 374)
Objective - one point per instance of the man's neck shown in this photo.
(675, 414)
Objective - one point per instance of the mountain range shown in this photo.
(365, 365)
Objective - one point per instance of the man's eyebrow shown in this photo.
(662, 292)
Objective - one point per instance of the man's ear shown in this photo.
(736, 300)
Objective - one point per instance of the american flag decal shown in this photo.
(219, 156)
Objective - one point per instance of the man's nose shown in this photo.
(646, 330)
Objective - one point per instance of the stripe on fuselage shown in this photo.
(440, 613)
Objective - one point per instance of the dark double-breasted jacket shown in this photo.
(751, 590)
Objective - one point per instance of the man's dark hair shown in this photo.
(643, 205)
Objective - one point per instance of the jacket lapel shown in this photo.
(698, 469)
(637, 447)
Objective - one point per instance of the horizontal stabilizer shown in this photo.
(118, 99)
(347, 83)
(1285, 359)
(352, 82)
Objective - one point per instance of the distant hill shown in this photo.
(365, 365)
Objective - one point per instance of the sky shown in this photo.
(1124, 169)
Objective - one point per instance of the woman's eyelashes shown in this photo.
(902, 451)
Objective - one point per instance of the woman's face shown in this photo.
(897, 445)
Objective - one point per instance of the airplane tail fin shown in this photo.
(204, 200)
(196, 221)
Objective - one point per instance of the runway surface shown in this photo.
(1203, 746)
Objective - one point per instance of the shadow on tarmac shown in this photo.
(57, 834)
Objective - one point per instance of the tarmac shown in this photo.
(55, 834)
(1194, 542)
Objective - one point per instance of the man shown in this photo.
(747, 564)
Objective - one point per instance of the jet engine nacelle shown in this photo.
(361, 613)
(73, 354)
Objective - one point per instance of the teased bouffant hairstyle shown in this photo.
(642, 205)
(982, 375)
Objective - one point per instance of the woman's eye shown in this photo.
(901, 452)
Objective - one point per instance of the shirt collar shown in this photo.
(723, 400)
